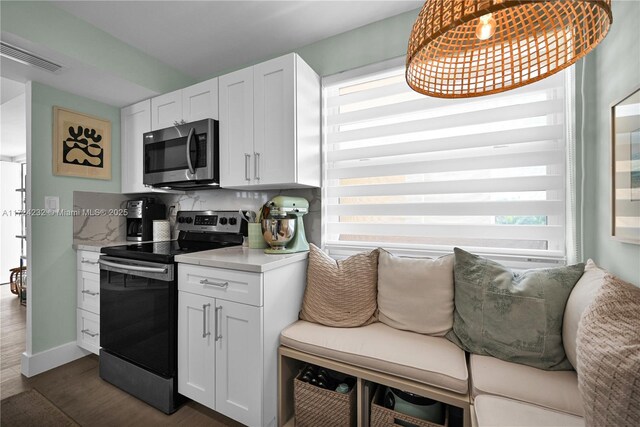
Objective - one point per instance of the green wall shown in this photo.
(47, 25)
(612, 72)
(53, 264)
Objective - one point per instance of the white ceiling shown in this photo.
(204, 38)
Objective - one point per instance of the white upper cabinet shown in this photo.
(196, 102)
(200, 101)
(270, 126)
(236, 128)
(135, 120)
(166, 110)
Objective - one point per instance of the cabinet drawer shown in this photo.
(88, 261)
(89, 291)
(88, 331)
(230, 285)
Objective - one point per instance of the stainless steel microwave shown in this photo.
(183, 157)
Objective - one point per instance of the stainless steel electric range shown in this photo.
(139, 305)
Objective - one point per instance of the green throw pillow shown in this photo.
(514, 317)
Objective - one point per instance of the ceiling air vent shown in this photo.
(28, 58)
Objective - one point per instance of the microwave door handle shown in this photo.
(189, 137)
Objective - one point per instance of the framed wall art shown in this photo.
(81, 145)
(625, 168)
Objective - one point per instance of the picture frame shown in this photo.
(625, 168)
(81, 145)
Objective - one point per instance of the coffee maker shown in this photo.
(283, 228)
(140, 216)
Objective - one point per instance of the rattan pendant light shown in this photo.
(466, 48)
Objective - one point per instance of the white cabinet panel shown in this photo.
(166, 110)
(236, 128)
(231, 285)
(200, 101)
(88, 261)
(88, 335)
(196, 352)
(135, 120)
(89, 291)
(274, 120)
(239, 362)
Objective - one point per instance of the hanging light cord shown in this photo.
(582, 161)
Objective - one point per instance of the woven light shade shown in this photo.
(466, 48)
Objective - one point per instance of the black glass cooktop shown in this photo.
(163, 251)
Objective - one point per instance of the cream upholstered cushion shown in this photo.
(341, 293)
(423, 358)
(609, 355)
(581, 296)
(552, 389)
(416, 294)
(496, 411)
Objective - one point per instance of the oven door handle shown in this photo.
(134, 267)
(189, 138)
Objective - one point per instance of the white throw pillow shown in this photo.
(581, 296)
(416, 294)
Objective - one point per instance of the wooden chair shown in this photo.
(16, 279)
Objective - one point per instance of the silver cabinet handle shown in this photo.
(204, 320)
(257, 165)
(86, 261)
(93, 294)
(247, 160)
(218, 310)
(206, 282)
(88, 332)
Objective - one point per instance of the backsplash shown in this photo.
(111, 228)
(93, 221)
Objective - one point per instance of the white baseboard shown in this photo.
(34, 364)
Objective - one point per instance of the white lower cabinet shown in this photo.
(88, 301)
(227, 348)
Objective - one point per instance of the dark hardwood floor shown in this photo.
(76, 388)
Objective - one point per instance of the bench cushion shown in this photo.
(500, 412)
(430, 360)
(552, 389)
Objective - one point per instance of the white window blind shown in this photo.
(415, 173)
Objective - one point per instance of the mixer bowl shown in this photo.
(278, 232)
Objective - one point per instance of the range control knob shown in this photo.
(223, 221)
(180, 219)
(233, 221)
(189, 220)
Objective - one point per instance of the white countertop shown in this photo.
(241, 258)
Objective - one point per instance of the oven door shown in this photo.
(138, 313)
(181, 153)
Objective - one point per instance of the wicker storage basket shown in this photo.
(318, 407)
(383, 417)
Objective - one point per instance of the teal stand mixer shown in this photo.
(283, 228)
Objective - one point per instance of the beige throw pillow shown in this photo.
(581, 296)
(416, 294)
(609, 356)
(341, 293)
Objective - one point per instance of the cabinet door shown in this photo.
(200, 101)
(274, 110)
(135, 121)
(236, 128)
(239, 362)
(166, 110)
(196, 351)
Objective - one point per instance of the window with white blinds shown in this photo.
(406, 171)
